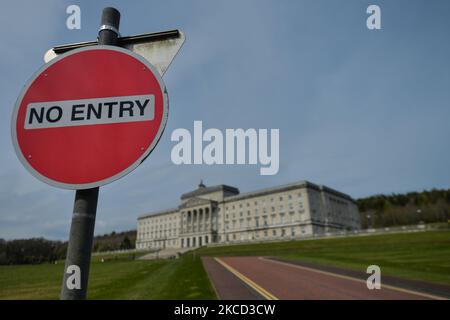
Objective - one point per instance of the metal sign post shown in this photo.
(78, 259)
(92, 114)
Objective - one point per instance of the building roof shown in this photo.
(158, 213)
(202, 189)
(337, 193)
(286, 187)
(265, 191)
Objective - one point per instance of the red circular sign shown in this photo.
(89, 117)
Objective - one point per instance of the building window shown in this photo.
(274, 232)
(291, 216)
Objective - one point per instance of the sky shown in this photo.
(362, 111)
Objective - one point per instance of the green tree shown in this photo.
(126, 244)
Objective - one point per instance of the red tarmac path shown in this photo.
(250, 277)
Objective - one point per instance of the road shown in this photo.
(263, 278)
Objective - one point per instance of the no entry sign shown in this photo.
(89, 117)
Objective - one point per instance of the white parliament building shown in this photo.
(220, 215)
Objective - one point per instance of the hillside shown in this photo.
(404, 209)
(115, 241)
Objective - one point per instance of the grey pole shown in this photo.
(76, 270)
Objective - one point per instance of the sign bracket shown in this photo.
(159, 48)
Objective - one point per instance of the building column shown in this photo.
(188, 221)
(195, 222)
(204, 220)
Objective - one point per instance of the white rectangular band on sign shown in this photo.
(54, 114)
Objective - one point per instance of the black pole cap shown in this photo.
(111, 17)
(109, 28)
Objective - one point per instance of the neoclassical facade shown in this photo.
(220, 214)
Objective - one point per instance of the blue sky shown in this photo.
(361, 111)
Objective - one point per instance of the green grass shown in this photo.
(117, 278)
(418, 255)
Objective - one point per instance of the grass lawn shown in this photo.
(418, 255)
(117, 278)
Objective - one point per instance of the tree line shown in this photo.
(405, 209)
(40, 250)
